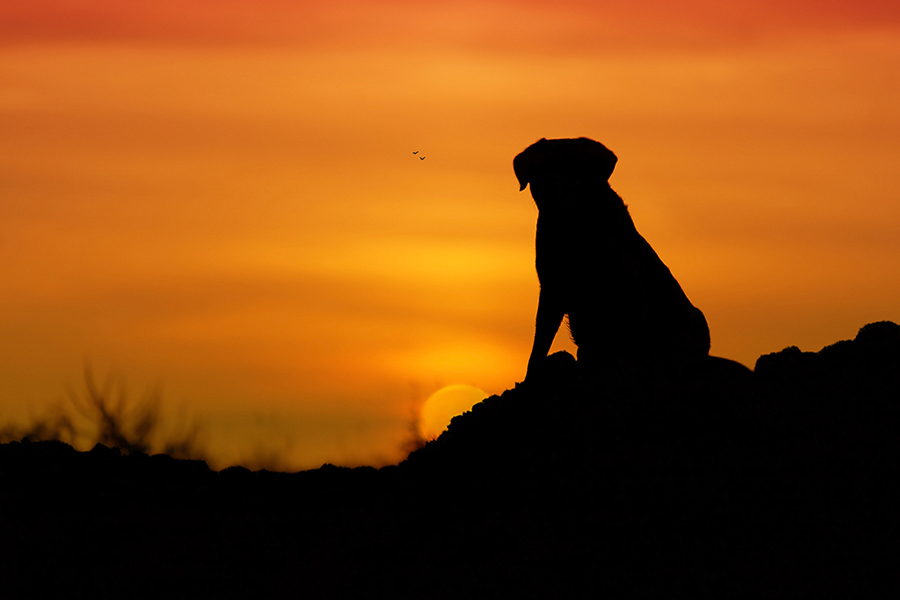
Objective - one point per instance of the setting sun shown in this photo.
(445, 404)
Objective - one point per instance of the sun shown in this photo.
(445, 404)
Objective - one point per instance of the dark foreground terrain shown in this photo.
(720, 482)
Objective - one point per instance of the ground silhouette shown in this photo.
(621, 301)
(779, 482)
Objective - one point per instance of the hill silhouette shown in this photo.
(714, 481)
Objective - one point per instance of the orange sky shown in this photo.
(223, 196)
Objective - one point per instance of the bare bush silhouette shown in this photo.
(54, 425)
(107, 407)
(103, 414)
(414, 439)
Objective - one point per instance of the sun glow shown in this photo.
(445, 404)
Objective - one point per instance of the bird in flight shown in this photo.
(421, 158)
(416, 152)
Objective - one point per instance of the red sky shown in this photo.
(222, 196)
(522, 25)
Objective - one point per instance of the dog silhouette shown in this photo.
(621, 300)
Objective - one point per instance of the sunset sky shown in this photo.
(221, 197)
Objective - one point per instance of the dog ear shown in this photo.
(598, 157)
(527, 161)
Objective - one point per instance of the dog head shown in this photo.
(563, 164)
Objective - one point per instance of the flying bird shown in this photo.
(421, 158)
(416, 152)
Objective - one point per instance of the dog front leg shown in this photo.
(549, 317)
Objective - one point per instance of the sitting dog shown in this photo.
(621, 300)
